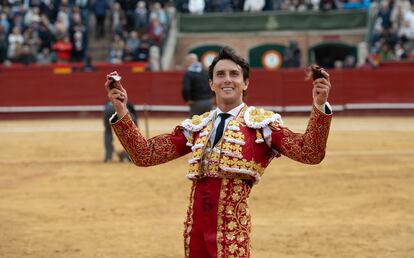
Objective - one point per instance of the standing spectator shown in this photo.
(32, 16)
(63, 48)
(83, 6)
(78, 47)
(292, 55)
(182, 5)
(47, 38)
(3, 44)
(407, 29)
(4, 21)
(141, 17)
(384, 14)
(160, 13)
(108, 136)
(100, 7)
(196, 90)
(61, 25)
(118, 19)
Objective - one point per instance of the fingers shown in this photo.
(325, 73)
(117, 94)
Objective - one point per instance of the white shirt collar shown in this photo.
(234, 112)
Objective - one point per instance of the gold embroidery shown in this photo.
(233, 224)
(188, 223)
(143, 152)
(308, 147)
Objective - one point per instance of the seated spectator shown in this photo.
(142, 53)
(155, 31)
(253, 5)
(116, 53)
(349, 62)
(131, 45)
(196, 6)
(400, 51)
(297, 6)
(26, 57)
(45, 57)
(386, 53)
(15, 42)
(326, 5)
(63, 48)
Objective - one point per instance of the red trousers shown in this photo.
(218, 220)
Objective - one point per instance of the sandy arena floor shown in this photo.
(57, 198)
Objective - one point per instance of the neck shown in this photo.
(226, 107)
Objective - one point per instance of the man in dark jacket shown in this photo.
(196, 89)
(109, 110)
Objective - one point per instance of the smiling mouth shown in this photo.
(227, 89)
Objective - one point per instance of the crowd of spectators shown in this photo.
(393, 32)
(48, 31)
(204, 6)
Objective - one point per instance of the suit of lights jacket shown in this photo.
(241, 155)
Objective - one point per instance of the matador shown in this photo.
(230, 148)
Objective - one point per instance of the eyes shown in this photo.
(232, 73)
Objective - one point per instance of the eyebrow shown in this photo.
(231, 71)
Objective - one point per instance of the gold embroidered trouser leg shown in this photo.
(218, 220)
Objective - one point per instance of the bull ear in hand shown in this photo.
(113, 78)
(314, 72)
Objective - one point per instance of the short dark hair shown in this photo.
(230, 54)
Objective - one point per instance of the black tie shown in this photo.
(220, 127)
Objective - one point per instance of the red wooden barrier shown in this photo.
(39, 86)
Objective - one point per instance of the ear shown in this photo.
(246, 82)
(211, 84)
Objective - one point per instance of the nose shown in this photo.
(227, 79)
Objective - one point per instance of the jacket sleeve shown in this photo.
(308, 147)
(154, 151)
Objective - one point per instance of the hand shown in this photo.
(116, 94)
(321, 88)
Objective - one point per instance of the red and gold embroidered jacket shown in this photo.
(242, 152)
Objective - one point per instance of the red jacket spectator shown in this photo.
(63, 47)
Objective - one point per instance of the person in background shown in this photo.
(196, 90)
(108, 138)
(231, 146)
